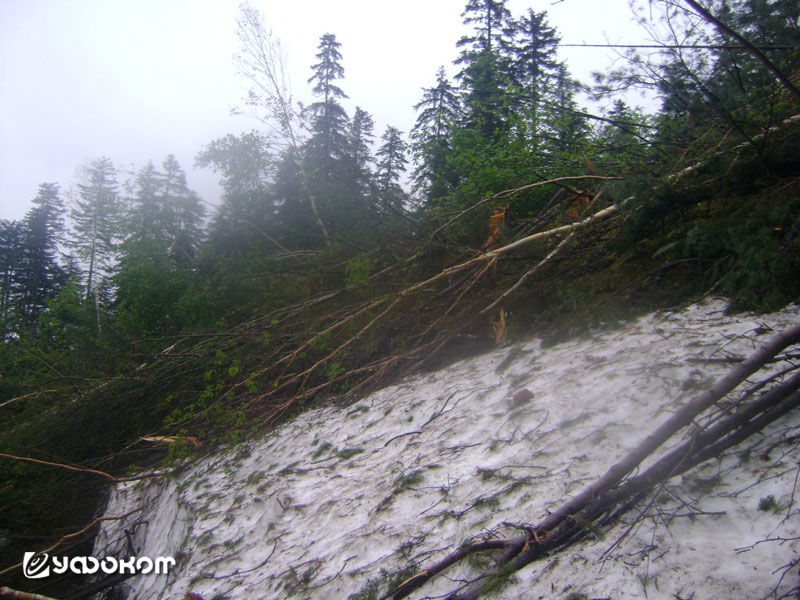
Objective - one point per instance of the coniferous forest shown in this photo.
(342, 258)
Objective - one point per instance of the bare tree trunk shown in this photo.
(563, 526)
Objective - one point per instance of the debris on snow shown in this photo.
(335, 501)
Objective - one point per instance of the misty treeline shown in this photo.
(317, 203)
(126, 259)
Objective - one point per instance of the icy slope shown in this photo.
(321, 506)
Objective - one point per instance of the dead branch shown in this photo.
(59, 465)
(26, 396)
(571, 520)
(511, 192)
(530, 272)
(755, 51)
(788, 122)
(6, 592)
(488, 258)
(415, 582)
(72, 536)
(81, 470)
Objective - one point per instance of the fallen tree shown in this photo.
(616, 491)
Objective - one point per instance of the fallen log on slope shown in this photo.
(570, 522)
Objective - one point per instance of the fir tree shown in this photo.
(392, 163)
(482, 77)
(184, 209)
(328, 142)
(487, 18)
(147, 219)
(11, 257)
(96, 218)
(39, 272)
(359, 141)
(437, 114)
(533, 66)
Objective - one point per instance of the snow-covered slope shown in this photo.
(323, 506)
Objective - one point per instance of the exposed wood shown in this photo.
(58, 465)
(511, 192)
(6, 592)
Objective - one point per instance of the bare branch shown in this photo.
(725, 30)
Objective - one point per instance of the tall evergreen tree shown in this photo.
(40, 274)
(328, 142)
(392, 163)
(533, 66)
(564, 128)
(11, 256)
(96, 218)
(483, 75)
(359, 141)
(147, 218)
(487, 18)
(335, 198)
(152, 274)
(437, 114)
(185, 211)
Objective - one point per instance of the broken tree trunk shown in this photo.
(567, 523)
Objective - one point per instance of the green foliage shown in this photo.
(243, 161)
(334, 370)
(741, 244)
(357, 271)
(385, 580)
(770, 504)
(349, 453)
(411, 480)
(97, 220)
(150, 286)
(499, 579)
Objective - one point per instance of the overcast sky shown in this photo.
(136, 80)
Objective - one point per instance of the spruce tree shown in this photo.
(533, 67)
(359, 141)
(487, 18)
(438, 112)
(11, 257)
(39, 272)
(146, 214)
(328, 142)
(335, 199)
(392, 163)
(184, 210)
(483, 74)
(96, 218)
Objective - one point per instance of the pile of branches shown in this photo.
(326, 344)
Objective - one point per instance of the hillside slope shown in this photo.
(333, 503)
